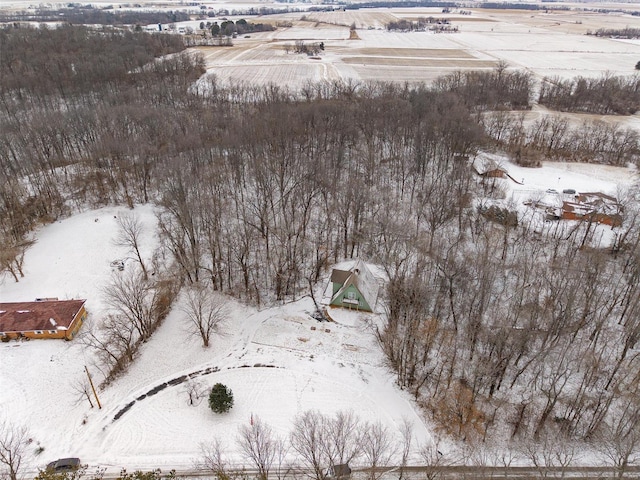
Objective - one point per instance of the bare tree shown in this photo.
(342, 437)
(13, 449)
(619, 441)
(12, 256)
(306, 439)
(433, 460)
(129, 236)
(195, 391)
(212, 459)
(83, 389)
(280, 461)
(550, 452)
(258, 445)
(377, 448)
(206, 312)
(134, 297)
(406, 434)
(115, 343)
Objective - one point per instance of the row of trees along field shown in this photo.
(497, 329)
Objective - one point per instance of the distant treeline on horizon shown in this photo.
(94, 16)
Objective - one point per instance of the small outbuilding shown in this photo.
(356, 288)
(47, 318)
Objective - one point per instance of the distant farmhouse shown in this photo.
(491, 170)
(46, 318)
(356, 288)
(593, 207)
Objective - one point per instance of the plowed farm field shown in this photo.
(545, 43)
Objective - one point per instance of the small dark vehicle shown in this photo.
(569, 191)
(64, 465)
(338, 472)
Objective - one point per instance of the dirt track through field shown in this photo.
(413, 52)
(419, 62)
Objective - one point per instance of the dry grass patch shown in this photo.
(414, 52)
(419, 62)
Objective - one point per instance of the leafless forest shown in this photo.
(498, 330)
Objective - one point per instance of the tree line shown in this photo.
(554, 137)
(606, 95)
(323, 447)
(626, 32)
(88, 15)
(494, 327)
(419, 25)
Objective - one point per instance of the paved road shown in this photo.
(434, 473)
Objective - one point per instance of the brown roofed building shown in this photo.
(42, 319)
(593, 207)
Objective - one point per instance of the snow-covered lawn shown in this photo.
(582, 177)
(547, 184)
(278, 362)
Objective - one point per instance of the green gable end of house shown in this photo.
(350, 297)
(355, 288)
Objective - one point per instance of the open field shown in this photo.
(544, 43)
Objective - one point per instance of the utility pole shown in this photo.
(95, 394)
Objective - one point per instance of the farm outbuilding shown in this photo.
(356, 288)
(49, 318)
(593, 207)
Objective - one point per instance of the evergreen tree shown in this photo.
(220, 398)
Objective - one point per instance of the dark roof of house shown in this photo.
(591, 196)
(43, 315)
(340, 276)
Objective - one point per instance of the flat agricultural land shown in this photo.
(546, 43)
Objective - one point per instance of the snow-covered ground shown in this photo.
(544, 43)
(559, 176)
(547, 184)
(278, 362)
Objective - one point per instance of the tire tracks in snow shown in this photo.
(239, 350)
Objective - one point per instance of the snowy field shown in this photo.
(275, 363)
(550, 43)
(545, 43)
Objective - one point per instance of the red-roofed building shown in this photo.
(593, 207)
(48, 318)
